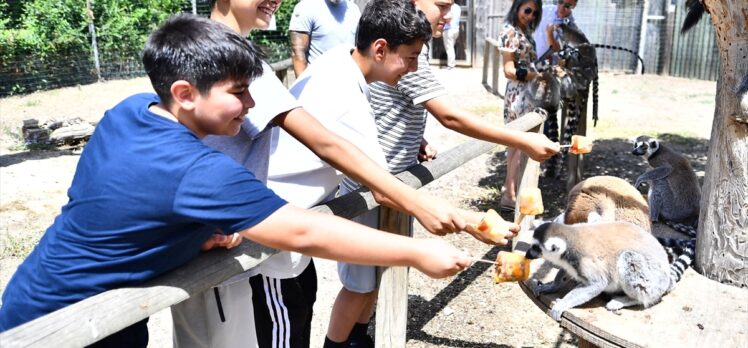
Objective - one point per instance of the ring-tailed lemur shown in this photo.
(616, 257)
(610, 199)
(674, 191)
(576, 68)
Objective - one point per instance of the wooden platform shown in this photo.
(699, 312)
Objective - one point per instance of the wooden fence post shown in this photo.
(529, 171)
(392, 301)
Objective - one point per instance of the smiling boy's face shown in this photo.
(437, 12)
(221, 111)
(400, 61)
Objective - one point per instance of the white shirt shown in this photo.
(334, 91)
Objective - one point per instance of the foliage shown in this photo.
(47, 43)
(275, 42)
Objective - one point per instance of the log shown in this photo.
(722, 242)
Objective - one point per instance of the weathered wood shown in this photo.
(722, 244)
(575, 163)
(94, 318)
(698, 313)
(392, 301)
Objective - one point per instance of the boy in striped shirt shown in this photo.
(400, 114)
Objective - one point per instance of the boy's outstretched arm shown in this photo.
(435, 214)
(535, 145)
(327, 236)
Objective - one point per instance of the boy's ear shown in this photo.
(184, 94)
(379, 49)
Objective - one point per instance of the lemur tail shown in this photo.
(689, 230)
(695, 12)
(681, 252)
(595, 88)
(622, 49)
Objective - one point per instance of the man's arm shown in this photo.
(331, 237)
(552, 43)
(434, 214)
(299, 50)
(537, 146)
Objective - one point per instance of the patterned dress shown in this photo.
(522, 45)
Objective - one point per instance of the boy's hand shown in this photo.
(538, 146)
(439, 259)
(438, 216)
(220, 240)
(426, 152)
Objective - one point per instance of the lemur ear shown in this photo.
(653, 143)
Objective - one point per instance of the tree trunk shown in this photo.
(722, 245)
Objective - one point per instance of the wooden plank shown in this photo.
(392, 301)
(699, 312)
(575, 163)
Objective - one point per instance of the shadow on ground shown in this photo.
(32, 155)
(609, 157)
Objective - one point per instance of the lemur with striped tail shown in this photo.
(605, 199)
(613, 257)
(674, 191)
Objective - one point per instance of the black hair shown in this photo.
(199, 51)
(397, 21)
(512, 17)
(212, 4)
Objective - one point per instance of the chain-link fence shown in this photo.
(621, 25)
(46, 44)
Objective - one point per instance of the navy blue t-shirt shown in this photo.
(146, 194)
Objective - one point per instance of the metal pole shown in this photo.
(194, 7)
(92, 30)
(643, 35)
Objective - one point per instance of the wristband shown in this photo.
(521, 74)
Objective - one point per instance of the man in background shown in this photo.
(451, 32)
(547, 35)
(319, 25)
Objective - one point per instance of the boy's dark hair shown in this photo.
(199, 51)
(512, 17)
(397, 21)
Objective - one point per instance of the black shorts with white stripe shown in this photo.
(283, 309)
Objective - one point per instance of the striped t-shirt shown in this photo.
(401, 117)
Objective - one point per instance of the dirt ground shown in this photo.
(467, 310)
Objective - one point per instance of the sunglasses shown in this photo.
(529, 11)
(566, 6)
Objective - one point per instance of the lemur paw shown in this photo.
(614, 305)
(556, 313)
(541, 289)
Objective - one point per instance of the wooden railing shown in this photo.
(492, 58)
(96, 317)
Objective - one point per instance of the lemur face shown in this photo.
(645, 146)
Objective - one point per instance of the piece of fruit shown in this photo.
(530, 201)
(580, 145)
(511, 267)
(493, 226)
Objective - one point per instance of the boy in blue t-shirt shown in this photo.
(148, 193)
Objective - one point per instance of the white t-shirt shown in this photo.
(334, 91)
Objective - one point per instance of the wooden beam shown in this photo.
(392, 301)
